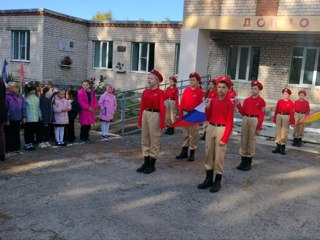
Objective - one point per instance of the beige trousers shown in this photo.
(248, 136)
(171, 111)
(150, 134)
(298, 131)
(282, 129)
(214, 153)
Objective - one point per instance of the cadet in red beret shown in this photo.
(151, 121)
(191, 98)
(283, 118)
(232, 94)
(253, 111)
(219, 112)
(171, 103)
(211, 93)
(301, 110)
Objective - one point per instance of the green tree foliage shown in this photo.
(103, 16)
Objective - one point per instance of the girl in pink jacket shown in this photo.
(108, 105)
(89, 104)
(61, 106)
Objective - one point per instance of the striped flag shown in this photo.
(196, 116)
(310, 118)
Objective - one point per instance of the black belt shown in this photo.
(301, 112)
(284, 113)
(256, 116)
(151, 110)
(170, 99)
(218, 125)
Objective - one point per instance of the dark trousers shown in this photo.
(30, 131)
(2, 141)
(45, 133)
(84, 132)
(69, 131)
(12, 135)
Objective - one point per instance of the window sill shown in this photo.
(302, 86)
(104, 69)
(18, 61)
(66, 66)
(140, 72)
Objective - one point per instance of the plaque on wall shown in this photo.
(66, 45)
(121, 48)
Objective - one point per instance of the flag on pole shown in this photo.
(4, 72)
(21, 73)
(196, 116)
(309, 118)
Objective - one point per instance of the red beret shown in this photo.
(173, 78)
(157, 74)
(257, 83)
(195, 75)
(286, 90)
(302, 91)
(224, 79)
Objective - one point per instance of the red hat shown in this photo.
(173, 78)
(195, 75)
(302, 91)
(224, 79)
(286, 90)
(157, 74)
(257, 83)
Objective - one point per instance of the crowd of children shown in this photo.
(46, 113)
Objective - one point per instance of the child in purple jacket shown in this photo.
(61, 106)
(108, 105)
(16, 115)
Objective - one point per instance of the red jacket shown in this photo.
(302, 106)
(253, 106)
(284, 107)
(173, 93)
(221, 112)
(153, 99)
(191, 98)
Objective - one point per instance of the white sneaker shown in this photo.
(42, 145)
(48, 144)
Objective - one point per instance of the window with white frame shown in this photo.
(243, 62)
(20, 45)
(305, 66)
(177, 57)
(102, 54)
(142, 57)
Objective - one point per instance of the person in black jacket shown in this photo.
(46, 113)
(73, 113)
(3, 118)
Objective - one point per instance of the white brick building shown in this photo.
(42, 38)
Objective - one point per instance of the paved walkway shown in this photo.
(91, 191)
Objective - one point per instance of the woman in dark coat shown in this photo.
(3, 118)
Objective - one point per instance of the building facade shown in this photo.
(122, 51)
(275, 41)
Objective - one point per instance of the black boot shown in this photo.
(243, 161)
(171, 131)
(167, 131)
(191, 156)
(183, 153)
(2, 158)
(295, 140)
(247, 165)
(208, 181)
(282, 149)
(144, 165)
(216, 184)
(299, 140)
(277, 149)
(151, 166)
(203, 138)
